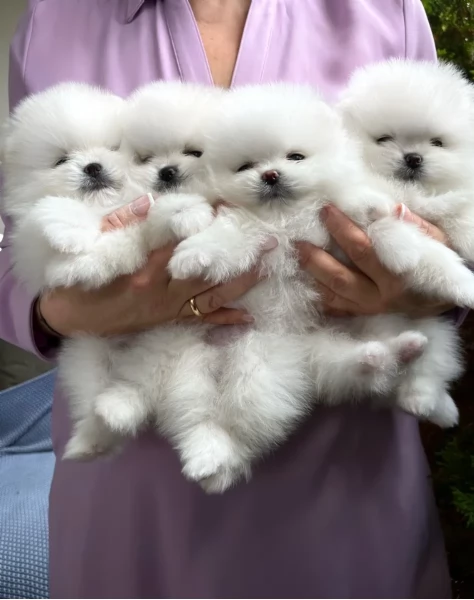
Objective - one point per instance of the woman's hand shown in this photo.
(137, 302)
(371, 290)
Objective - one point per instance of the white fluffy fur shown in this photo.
(221, 406)
(166, 376)
(57, 239)
(401, 107)
(276, 367)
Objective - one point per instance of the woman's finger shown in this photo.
(155, 270)
(354, 243)
(219, 296)
(228, 316)
(403, 213)
(332, 312)
(335, 305)
(127, 215)
(336, 277)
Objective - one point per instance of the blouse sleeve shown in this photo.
(17, 322)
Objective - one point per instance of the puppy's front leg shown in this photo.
(223, 251)
(123, 251)
(115, 253)
(452, 212)
(441, 207)
(175, 217)
(68, 225)
(428, 266)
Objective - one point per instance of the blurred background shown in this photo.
(451, 454)
(15, 365)
(10, 12)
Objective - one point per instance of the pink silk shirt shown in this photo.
(344, 509)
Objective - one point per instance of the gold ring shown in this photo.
(194, 308)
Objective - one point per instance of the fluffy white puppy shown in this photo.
(165, 376)
(62, 172)
(66, 165)
(415, 121)
(279, 154)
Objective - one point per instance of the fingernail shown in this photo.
(141, 206)
(401, 211)
(270, 244)
(323, 213)
(248, 319)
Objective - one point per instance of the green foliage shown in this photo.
(454, 478)
(464, 502)
(452, 22)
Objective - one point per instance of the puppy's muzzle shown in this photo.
(413, 160)
(96, 178)
(271, 177)
(169, 178)
(411, 167)
(273, 187)
(93, 170)
(168, 174)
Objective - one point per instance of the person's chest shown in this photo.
(317, 42)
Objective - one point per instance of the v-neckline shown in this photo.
(189, 49)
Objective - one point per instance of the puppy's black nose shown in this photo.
(93, 169)
(413, 160)
(271, 177)
(168, 174)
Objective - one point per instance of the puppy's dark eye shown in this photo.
(437, 142)
(196, 153)
(61, 161)
(296, 156)
(245, 167)
(115, 148)
(384, 138)
(143, 160)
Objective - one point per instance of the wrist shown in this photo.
(42, 321)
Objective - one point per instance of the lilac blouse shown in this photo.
(344, 509)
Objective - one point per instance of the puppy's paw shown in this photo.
(224, 479)
(408, 346)
(122, 411)
(417, 398)
(67, 225)
(374, 357)
(462, 294)
(446, 413)
(190, 221)
(67, 239)
(85, 445)
(67, 270)
(396, 244)
(376, 212)
(210, 458)
(189, 263)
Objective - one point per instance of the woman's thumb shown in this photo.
(127, 215)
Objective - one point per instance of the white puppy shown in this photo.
(279, 154)
(415, 122)
(165, 376)
(63, 172)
